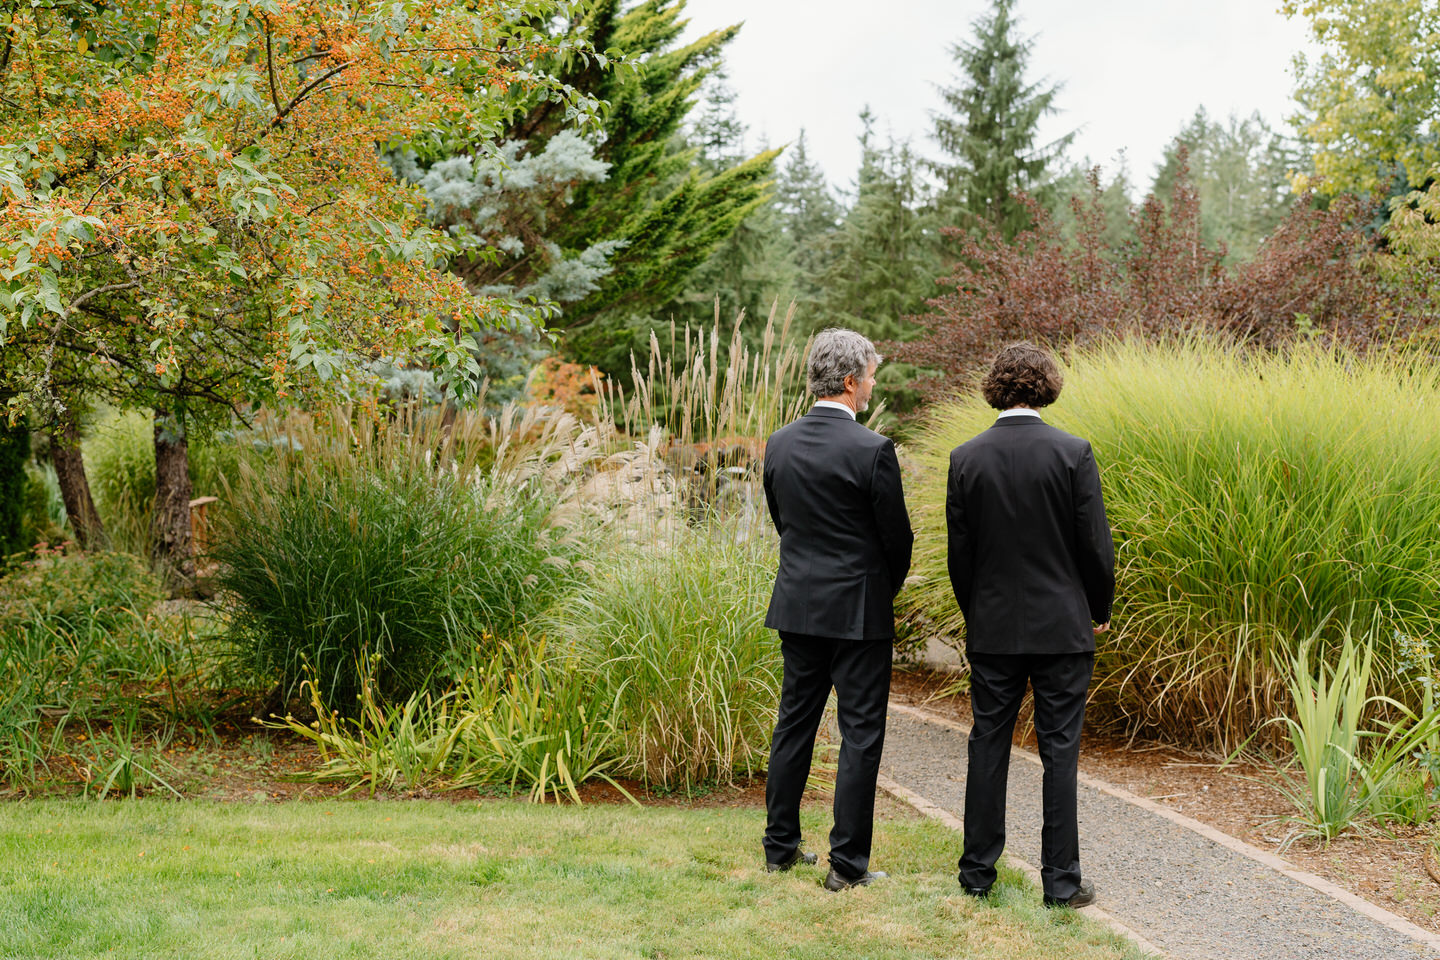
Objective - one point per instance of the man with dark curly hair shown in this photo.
(1032, 564)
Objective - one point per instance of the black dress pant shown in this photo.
(997, 686)
(860, 674)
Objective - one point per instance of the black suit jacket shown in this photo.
(1030, 552)
(833, 488)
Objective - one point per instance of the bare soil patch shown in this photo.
(1388, 869)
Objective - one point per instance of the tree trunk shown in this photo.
(74, 484)
(174, 547)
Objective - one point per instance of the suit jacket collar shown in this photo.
(828, 413)
(1016, 422)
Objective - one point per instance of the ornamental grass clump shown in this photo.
(407, 540)
(710, 399)
(676, 633)
(517, 720)
(1252, 495)
(81, 626)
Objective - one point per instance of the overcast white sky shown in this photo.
(1132, 71)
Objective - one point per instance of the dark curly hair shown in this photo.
(1022, 373)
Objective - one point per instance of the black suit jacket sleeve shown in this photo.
(769, 485)
(959, 555)
(887, 498)
(1095, 548)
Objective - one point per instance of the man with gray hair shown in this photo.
(833, 488)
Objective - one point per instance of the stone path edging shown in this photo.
(1358, 904)
(930, 810)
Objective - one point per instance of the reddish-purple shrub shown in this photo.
(1314, 275)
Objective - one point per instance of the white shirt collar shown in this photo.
(835, 406)
(1018, 412)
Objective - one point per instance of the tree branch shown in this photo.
(65, 315)
(498, 53)
(270, 65)
(108, 288)
(318, 55)
(305, 90)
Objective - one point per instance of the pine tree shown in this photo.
(506, 200)
(988, 133)
(596, 236)
(718, 133)
(885, 260)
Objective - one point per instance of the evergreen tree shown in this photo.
(668, 209)
(596, 236)
(751, 268)
(506, 200)
(885, 253)
(1241, 171)
(885, 257)
(988, 132)
(718, 133)
(810, 217)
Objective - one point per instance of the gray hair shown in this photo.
(836, 354)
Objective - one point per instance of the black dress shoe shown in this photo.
(835, 883)
(979, 893)
(1081, 898)
(799, 856)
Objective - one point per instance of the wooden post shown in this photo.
(199, 530)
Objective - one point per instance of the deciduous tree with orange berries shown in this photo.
(197, 216)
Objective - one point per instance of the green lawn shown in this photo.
(403, 879)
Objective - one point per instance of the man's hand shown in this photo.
(1101, 628)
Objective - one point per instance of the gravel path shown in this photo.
(1188, 895)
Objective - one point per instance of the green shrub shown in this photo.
(85, 625)
(381, 539)
(23, 748)
(1252, 495)
(676, 632)
(1349, 770)
(45, 519)
(1404, 798)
